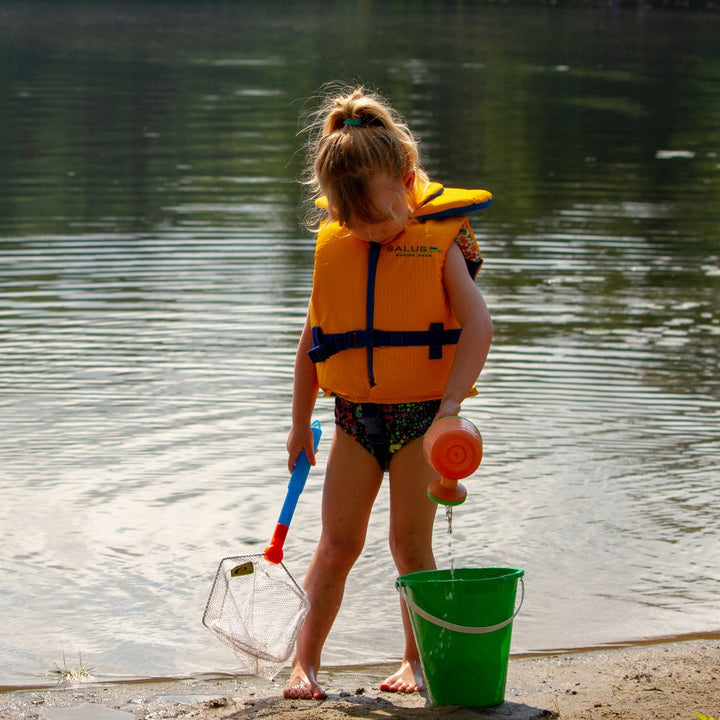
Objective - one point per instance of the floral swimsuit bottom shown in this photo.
(384, 429)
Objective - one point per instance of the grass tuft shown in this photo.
(64, 675)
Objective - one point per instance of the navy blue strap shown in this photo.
(326, 345)
(373, 258)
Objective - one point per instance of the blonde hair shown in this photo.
(355, 134)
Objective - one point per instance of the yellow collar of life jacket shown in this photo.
(434, 201)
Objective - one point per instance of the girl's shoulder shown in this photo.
(465, 240)
(436, 202)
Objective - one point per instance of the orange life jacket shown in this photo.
(383, 329)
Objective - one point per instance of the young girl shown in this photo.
(398, 332)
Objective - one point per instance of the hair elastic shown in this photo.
(352, 121)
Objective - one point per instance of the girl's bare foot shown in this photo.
(303, 685)
(408, 679)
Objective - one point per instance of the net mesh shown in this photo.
(257, 609)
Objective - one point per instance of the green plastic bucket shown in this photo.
(462, 621)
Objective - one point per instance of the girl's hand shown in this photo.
(448, 407)
(299, 439)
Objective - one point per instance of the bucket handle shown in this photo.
(462, 628)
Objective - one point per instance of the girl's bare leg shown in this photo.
(352, 481)
(412, 515)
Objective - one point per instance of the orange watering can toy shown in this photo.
(453, 446)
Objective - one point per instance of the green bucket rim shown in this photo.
(460, 574)
(503, 574)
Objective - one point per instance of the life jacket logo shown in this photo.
(412, 250)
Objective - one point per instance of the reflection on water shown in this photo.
(154, 276)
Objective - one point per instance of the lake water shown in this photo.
(154, 274)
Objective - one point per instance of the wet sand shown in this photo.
(673, 680)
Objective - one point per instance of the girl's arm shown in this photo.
(305, 390)
(472, 349)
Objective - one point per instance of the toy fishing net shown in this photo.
(257, 609)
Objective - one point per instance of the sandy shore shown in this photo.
(674, 680)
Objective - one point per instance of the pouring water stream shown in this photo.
(449, 517)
